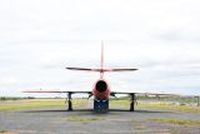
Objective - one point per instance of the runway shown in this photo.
(85, 121)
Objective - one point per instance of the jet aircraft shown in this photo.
(101, 90)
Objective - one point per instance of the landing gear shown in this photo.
(198, 100)
(132, 105)
(69, 101)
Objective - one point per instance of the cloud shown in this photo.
(38, 39)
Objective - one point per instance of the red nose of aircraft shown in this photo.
(101, 90)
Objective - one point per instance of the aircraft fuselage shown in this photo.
(101, 92)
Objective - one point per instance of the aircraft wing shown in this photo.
(143, 93)
(90, 92)
(56, 91)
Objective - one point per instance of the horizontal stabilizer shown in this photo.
(79, 68)
(102, 69)
(123, 69)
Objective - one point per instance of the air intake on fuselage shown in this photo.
(101, 86)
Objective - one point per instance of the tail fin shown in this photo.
(102, 69)
(102, 60)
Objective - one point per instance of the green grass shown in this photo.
(149, 104)
(168, 106)
(74, 118)
(120, 103)
(36, 103)
(176, 121)
(139, 125)
(25, 104)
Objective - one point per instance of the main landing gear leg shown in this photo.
(132, 105)
(70, 102)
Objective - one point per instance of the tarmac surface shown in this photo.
(60, 121)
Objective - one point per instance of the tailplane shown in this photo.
(102, 69)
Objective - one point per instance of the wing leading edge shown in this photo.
(89, 92)
(55, 91)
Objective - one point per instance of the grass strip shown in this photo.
(74, 118)
(164, 105)
(176, 121)
(37, 103)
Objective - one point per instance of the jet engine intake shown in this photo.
(101, 86)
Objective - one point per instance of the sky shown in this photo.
(39, 38)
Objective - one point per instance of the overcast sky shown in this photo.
(39, 38)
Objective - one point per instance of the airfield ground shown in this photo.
(49, 116)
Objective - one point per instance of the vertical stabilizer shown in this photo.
(102, 60)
